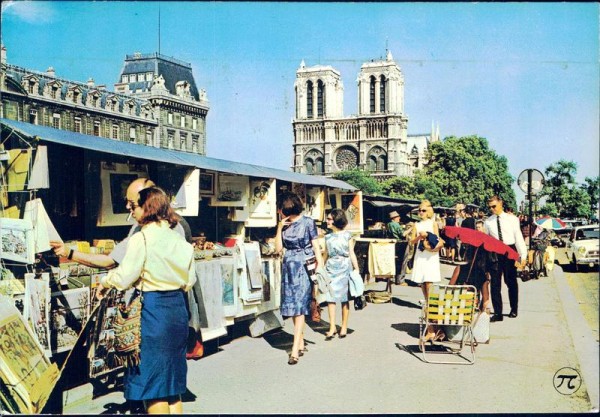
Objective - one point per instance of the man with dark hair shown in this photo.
(506, 228)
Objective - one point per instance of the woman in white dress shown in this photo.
(426, 268)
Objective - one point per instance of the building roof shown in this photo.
(133, 150)
(171, 69)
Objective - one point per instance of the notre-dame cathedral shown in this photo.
(326, 141)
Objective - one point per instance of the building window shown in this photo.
(319, 166)
(56, 121)
(194, 123)
(149, 136)
(170, 118)
(183, 141)
(33, 117)
(382, 94)
(31, 87)
(115, 132)
(125, 78)
(94, 100)
(77, 125)
(320, 98)
(309, 99)
(96, 128)
(182, 120)
(133, 78)
(372, 95)
(132, 134)
(75, 96)
(195, 140)
(149, 76)
(54, 92)
(170, 138)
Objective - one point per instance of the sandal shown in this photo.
(328, 336)
(301, 352)
(293, 360)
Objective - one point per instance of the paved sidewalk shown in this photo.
(373, 370)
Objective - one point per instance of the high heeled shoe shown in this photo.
(301, 352)
(328, 337)
(342, 335)
(293, 360)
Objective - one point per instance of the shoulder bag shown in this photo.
(127, 326)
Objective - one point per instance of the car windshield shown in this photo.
(588, 234)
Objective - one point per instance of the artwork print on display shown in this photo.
(232, 191)
(37, 308)
(69, 313)
(17, 242)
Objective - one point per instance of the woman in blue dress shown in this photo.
(339, 261)
(298, 235)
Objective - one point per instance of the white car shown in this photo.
(582, 246)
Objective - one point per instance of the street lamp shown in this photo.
(531, 181)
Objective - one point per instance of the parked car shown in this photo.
(583, 246)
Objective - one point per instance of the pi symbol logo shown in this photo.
(567, 381)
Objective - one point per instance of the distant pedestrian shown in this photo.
(506, 228)
(394, 228)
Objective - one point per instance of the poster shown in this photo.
(26, 373)
(187, 198)
(253, 264)
(70, 311)
(315, 203)
(36, 308)
(230, 286)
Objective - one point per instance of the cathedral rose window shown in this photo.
(346, 159)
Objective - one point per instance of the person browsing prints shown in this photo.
(159, 263)
(100, 260)
(394, 228)
(506, 228)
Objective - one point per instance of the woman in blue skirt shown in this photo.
(160, 264)
(340, 259)
(298, 235)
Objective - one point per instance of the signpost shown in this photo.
(531, 181)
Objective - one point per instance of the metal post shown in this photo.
(530, 198)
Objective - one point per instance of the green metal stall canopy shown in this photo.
(134, 150)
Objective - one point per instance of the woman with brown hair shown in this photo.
(160, 264)
(426, 268)
(298, 235)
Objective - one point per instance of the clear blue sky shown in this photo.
(523, 75)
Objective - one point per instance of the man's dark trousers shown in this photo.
(507, 268)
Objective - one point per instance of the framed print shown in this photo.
(17, 240)
(300, 190)
(36, 308)
(207, 183)
(69, 313)
(115, 179)
(352, 205)
(231, 191)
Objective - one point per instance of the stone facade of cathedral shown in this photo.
(326, 141)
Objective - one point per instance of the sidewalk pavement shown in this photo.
(376, 370)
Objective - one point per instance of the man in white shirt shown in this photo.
(506, 228)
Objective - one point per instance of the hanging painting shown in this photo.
(263, 204)
(207, 184)
(17, 240)
(352, 206)
(115, 179)
(232, 191)
(315, 203)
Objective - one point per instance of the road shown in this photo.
(378, 367)
(584, 285)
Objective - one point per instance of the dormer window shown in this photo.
(125, 78)
(54, 92)
(31, 87)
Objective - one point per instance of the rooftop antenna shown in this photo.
(159, 27)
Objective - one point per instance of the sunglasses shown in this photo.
(131, 204)
(422, 211)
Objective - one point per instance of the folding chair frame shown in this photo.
(450, 305)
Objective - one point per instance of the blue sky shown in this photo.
(523, 75)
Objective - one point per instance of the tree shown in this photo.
(592, 188)
(569, 199)
(360, 179)
(466, 170)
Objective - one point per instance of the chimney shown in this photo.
(50, 72)
(3, 55)
(90, 82)
(101, 87)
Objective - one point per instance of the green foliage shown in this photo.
(592, 188)
(548, 209)
(360, 179)
(467, 170)
(565, 197)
